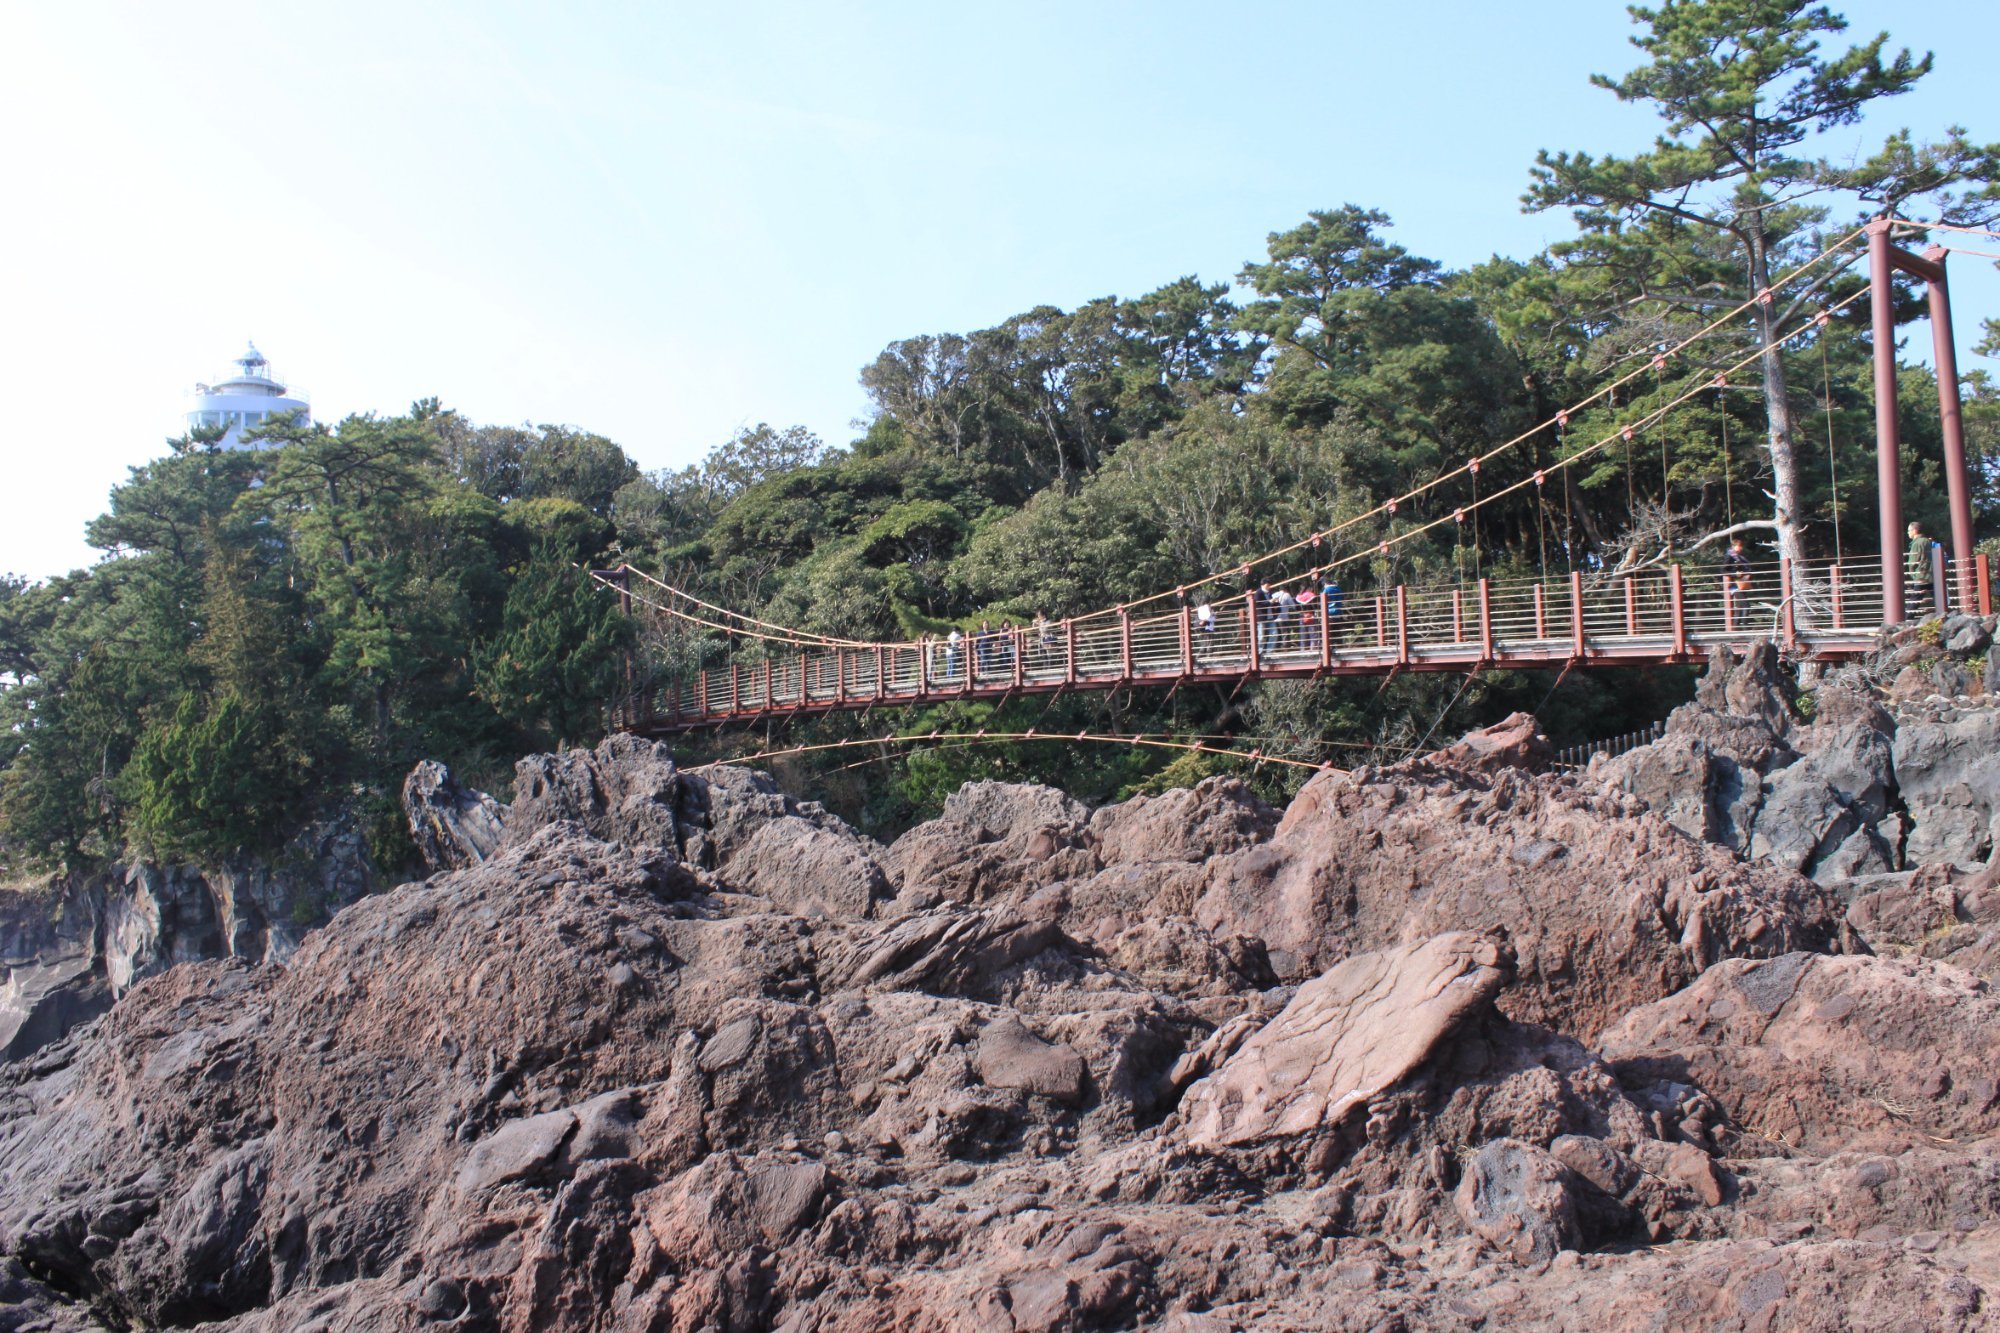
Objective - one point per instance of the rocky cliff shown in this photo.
(72, 945)
(1456, 1043)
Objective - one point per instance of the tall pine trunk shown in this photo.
(1777, 405)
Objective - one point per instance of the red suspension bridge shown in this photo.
(1667, 613)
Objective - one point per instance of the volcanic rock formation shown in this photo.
(1450, 1044)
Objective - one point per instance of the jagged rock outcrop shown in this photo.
(1863, 789)
(684, 1052)
(1938, 912)
(452, 825)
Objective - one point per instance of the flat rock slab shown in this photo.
(1347, 1035)
(1010, 1056)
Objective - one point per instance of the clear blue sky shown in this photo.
(668, 221)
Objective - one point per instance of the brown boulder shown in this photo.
(1215, 816)
(1010, 1056)
(1514, 742)
(1345, 1037)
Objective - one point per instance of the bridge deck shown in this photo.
(1826, 611)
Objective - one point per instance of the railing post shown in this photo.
(924, 667)
(1541, 613)
(881, 681)
(1458, 615)
(1069, 652)
(701, 695)
(1187, 640)
(1576, 610)
(1381, 622)
(1486, 652)
(1791, 624)
(1833, 575)
(1631, 609)
(1125, 641)
(1402, 625)
(1326, 631)
(735, 688)
(1985, 585)
(805, 695)
(1017, 646)
(1253, 628)
(768, 699)
(1677, 597)
(1940, 598)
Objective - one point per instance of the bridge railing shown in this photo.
(1663, 613)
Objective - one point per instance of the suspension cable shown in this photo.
(1719, 322)
(1155, 741)
(787, 632)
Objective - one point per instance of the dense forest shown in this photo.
(277, 632)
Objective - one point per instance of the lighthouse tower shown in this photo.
(246, 399)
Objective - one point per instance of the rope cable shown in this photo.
(1383, 546)
(1569, 516)
(1666, 464)
(1153, 740)
(796, 634)
(1603, 442)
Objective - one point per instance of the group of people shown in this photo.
(1281, 619)
(992, 653)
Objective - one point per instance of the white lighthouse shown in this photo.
(244, 400)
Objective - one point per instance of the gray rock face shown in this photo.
(452, 825)
(1949, 775)
(625, 791)
(1857, 792)
(1839, 791)
(93, 936)
(41, 1002)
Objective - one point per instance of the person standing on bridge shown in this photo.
(1735, 579)
(1045, 639)
(1308, 618)
(1263, 619)
(982, 650)
(1330, 603)
(1917, 568)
